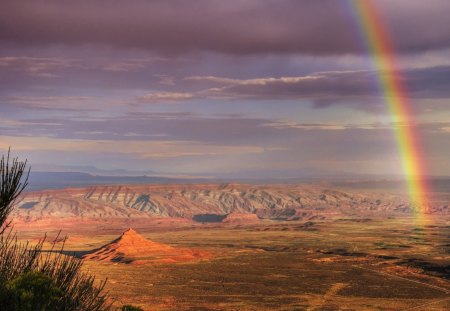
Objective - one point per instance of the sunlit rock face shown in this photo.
(133, 248)
(228, 202)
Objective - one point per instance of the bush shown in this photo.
(32, 291)
(131, 308)
(25, 270)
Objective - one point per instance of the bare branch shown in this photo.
(12, 183)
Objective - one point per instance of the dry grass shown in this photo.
(340, 265)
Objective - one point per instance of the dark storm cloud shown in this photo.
(236, 27)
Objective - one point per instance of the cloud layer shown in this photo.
(218, 88)
(235, 27)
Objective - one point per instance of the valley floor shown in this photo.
(332, 265)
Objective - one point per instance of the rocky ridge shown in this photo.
(282, 202)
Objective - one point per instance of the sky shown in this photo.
(241, 88)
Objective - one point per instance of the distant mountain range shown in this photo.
(196, 201)
(40, 180)
(60, 180)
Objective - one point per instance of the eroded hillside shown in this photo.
(284, 202)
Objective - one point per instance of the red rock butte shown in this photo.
(133, 248)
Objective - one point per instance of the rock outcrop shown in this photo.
(133, 248)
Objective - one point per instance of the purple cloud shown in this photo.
(354, 88)
(236, 27)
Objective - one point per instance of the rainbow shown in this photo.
(390, 83)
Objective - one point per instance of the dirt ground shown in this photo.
(341, 264)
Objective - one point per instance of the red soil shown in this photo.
(133, 248)
(241, 218)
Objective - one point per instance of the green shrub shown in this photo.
(32, 291)
(30, 279)
(131, 308)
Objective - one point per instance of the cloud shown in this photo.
(354, 88)
(445, 129)
(165, 80)
(241, 84)
(233, 27)
(212, 79)
(122, 66)
(165, 97)
(146, 127)
(149, 149)
(54, 66)
(192, 143)
(308, 126)
(20, 124)
(43, 67)
(63, 103)
(327, 84)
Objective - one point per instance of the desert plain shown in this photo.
(250, 247)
